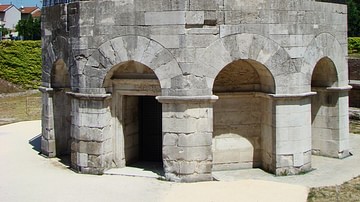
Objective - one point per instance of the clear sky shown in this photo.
(19, 3)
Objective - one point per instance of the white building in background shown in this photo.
(9, 16)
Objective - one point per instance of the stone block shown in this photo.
(184, 54)
(187, 153)
(173, 125)
(91, 120)
(90, 134)
(91, 170)
(171, 166)
(296, 52)
(298, 159)
(81, 159)
(168, 41)
(203, 167)
(170, 139)
(95, 148)
(167, 30)
(198, 41)
(194, 18)
(195, 140)
(47, 132)
(206, 5)
(284, 161)
(165, 18)
(203, 31)
(48, 147)
(232, 156)
(196, 177)
(233, 166)
(244, 17)
(187, 168)
(102, 161)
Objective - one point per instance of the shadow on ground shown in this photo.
(36, 143)
(150, 169)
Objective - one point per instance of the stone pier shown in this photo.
(197, 86)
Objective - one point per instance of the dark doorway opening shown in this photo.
(150, 129)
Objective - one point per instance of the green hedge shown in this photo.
(354, 44)
(20, 63)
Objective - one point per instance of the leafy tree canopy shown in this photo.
(3, 31)
(29, 28)
(353, 17)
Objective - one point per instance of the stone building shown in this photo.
(199, 85)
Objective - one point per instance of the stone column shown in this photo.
(187, 137)
(292, 126)
(48, 147)
(91, 147)
(330, 125)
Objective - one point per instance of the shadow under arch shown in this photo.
(325, 108)
(61, 104)
(325, 48)
(243, 116)
(59, 77)
(244, 76)
(130, 70)
(324, 74)
(136, 114)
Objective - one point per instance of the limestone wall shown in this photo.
(183, 45)
(131, 129)
(237, 132)
(188, 28)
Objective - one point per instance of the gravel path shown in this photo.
(27, 176)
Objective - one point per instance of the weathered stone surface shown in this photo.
(187, 153)
(263, 59)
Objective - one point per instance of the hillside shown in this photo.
(7, 87)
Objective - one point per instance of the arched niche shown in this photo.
(137, 115)
(60, 83)
(324, 74)
(243, 116)
(325, 109)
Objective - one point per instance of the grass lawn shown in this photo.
(347, 192)
(20, 108)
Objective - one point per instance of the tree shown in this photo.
(3, 31)
(29, 28)
(353, 18)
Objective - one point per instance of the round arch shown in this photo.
(244, 75)
(325, 48)
(324, 74)
(131, 48)
(326, 68)
(59, 76)
(245, 46)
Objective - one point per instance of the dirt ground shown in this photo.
(349, 192)
(21, 106)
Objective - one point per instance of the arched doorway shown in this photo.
(61, 104)
(137, 115)
(325, 109)
(243, 117)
